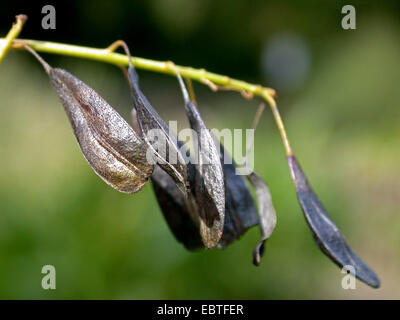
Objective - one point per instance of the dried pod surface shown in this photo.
(209, 181)
(175, 210)
(267, 214)
(326, 233)
(113, 149)
(157, 134)
(240, 209)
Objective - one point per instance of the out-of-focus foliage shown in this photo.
(343, 119)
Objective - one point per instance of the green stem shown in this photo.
(106, 55)
(213, 80)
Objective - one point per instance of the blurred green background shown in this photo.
(338, 94)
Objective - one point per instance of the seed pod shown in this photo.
(165, 147)
(175, 210)
(179, 210)
(110, 145)
(267, 214)
(240, 210)
(209, 188)
(327, 235)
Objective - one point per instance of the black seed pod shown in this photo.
(209, 188)
(326, 233)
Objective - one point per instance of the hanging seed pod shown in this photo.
(179, 210)
(267, 214)
(174, 208)
(209, 188)
(110, 145)
(162, 141)
(326, 233)
(240, 210)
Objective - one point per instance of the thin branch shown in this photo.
(211, 79)
(256, 120)
(107, 55)
(280, 125)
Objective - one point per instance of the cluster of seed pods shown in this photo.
(206, 204)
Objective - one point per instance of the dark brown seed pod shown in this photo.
(327, 235)
(164, 143)
(267, 214)
(174, 207)
(240, 209)
(180, 210)
(209, 188)
(112, 148)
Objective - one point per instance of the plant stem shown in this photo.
(213, 80)
(16, 28)
(280, 125)
(107, 55)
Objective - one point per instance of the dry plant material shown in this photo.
(209, 188)
(110, 145)
(157, 134)
(175, 210)
(240, 209)
(205, 204)
(267, 214)
(327, 235)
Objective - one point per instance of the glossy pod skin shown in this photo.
(327, 235)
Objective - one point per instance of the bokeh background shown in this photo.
(339, 96)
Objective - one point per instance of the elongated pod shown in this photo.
(240, 209)
(209, 188)
(327, 235)
(153, 129)
(267, 214)
(112, 148)
(175, 209)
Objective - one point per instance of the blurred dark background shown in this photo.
(338, 94)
